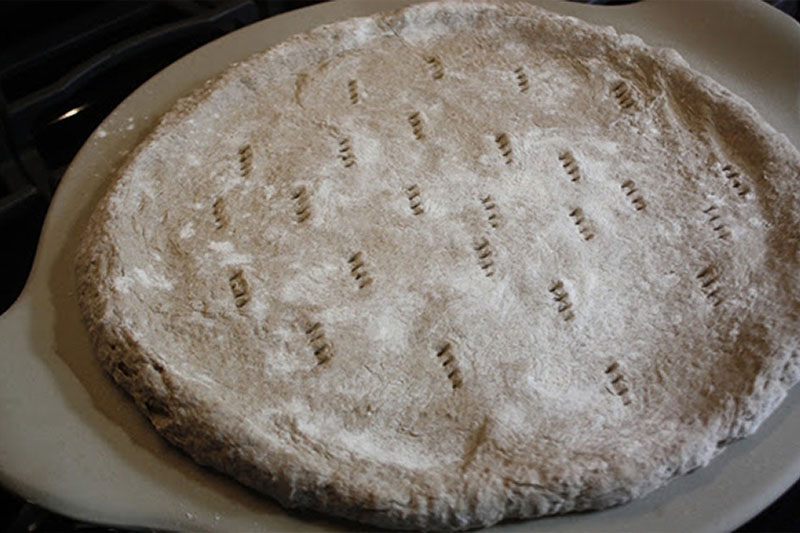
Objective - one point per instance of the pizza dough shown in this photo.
(460, 263)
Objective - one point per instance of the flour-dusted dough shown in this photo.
(450, 265)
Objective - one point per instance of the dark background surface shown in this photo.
(64, 66)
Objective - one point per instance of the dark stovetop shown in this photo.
(64, 66)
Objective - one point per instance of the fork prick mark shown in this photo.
(321, 348)
(579, 220)
(617, 384)
(416, 125)
(709, 285)
(630, 190)
(491, 208)
(734, 177)
(414, 199)
(504, 145)
(218, 208)
(561, 297)
(485, 253)
(302, 209)
(239, 288)
(245, 160)
(358, 270)
(715, 221)
(346, 152)
(522, 79)
(352, 89)
(570, 165)
(623, 94)
(445, 354)
(435, 67)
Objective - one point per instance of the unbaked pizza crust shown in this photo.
(451, 265)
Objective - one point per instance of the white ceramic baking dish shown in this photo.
(72, 442)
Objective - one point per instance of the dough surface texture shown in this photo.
(450, 265)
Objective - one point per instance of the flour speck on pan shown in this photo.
(460, 263)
